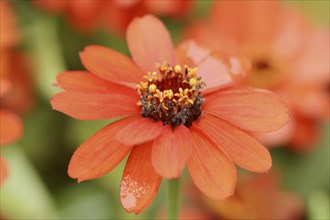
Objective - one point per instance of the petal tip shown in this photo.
(169, 177)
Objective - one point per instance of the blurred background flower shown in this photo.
(289, 55)
(287, 42)
(87, 15)
(15, 88)
(256, 197)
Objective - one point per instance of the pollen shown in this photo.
(152, 88)
(171, 94)
(177, 69)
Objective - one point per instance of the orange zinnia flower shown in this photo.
(171, 120)
(289, 56)
(115, 15)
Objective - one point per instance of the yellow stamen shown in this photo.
(169, 91)
(192, 82)
(177, 69)
(192, 72)
(152, 88)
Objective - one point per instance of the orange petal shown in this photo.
(11, 127)
(169, 8)
(150, 42)
(312, 65)
(110, 65)
(3, 171)
(280, 137)
(93, 106)
(118, 16)
(211, 170)
(9, 31)
(292, 35)
(217, 69)
(245, 21)
(244, 151)
(99, 154)
(84, 15)
(80, 81)
(171, 150)
(5, 87)
(139, 131)
(140, 182)
(250, 109)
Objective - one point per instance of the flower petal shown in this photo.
(140, 182)
(250, 109)
(280, 137)
(81, 81)
(244, 151)
(3, 171)
(150, 43)
(312, 66)
(139, 131)
(291, 37)
(110, 65)
(5, 86)
(245, 21)
(171, 150)
(11, 127)
(217, 69)
(93, 106)
(100, 153)
(211, 170)
(169, 8)
(84, 15)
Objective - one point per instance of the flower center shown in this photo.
(172, 95)
(262, 65)
(266, 73)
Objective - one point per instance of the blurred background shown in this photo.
(41, 38)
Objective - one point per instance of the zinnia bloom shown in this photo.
(86, 15)
(171, 114)
(289, 57)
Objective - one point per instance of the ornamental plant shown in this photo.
(173, 108)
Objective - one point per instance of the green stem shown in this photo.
(173, 198)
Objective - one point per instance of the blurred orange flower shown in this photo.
(289, 56)
(10, 130)
(171, 120)
(15, 84)
(115, 15)
(9, 35)
(258, 197)
(14, 72)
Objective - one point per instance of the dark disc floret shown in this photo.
(171, 95)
